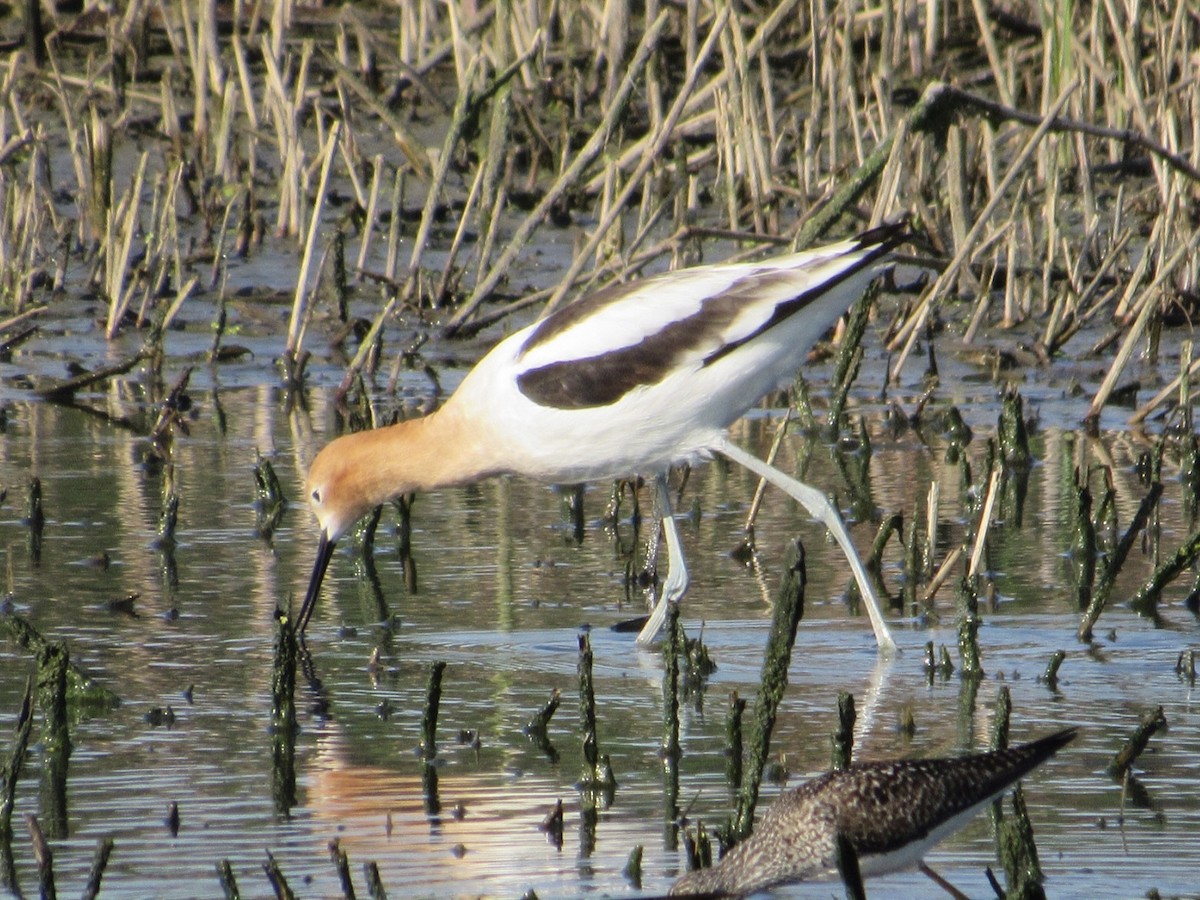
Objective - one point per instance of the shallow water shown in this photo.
(504, 590)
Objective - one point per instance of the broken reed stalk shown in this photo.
(121, 227)
(465, 110)
(704, 120)
(1001, 718)
(1154, 402)
(270, 503)
(1083, 543)
(985, 522)
(789, 610)
(341, 862)
(968, 628)
(284, 726)
(597, 771)
(1136, 743)
(1149, 306)
(843, 737)
(1145, 601)
(541, 719)
(849, 358)
(761, 490)
(1113, 563)
(1014, 835)
(10, 773)
(276, 878)
(673, 650)
(1050, 676)
(228, 882)
(943, 573)
(733, 740)
(374, 882)
(1018, 853)
(53, 662)
(365, 348)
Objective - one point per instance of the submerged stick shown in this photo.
(843, 737)
(228, 882)
(433, 699)
(1114, 563)
(53, 662)
(341, 861)
(82, 689)
(374, 883)
(104, 848)
(270, 502)
(849, 357)
(968, 628)
(733, 740)
(44, 857)
(541, 719)
(11, 770)
(1018, 852)
(278, 881)
(64, 391)
(1145, 601)
(283, 715)
(672, 651)
(1136, 743)
(789, 610)
(597, 771)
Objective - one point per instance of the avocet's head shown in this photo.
(338, 492)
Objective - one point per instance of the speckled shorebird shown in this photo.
(630, 380)
(891, 813)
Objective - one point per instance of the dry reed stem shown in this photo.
(637, 149)
(944, 571)
(365, 347)
(985, 523)
(649, 160)
(458, 121)
(1157, 400)
(121, 229)
(1146, 305)
(295, 335)
(913, 328)
(567, 179)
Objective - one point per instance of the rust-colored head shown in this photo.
(343, 485)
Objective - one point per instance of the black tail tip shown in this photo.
(886, 236)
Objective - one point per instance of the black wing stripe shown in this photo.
(790, 307)
(604, 379)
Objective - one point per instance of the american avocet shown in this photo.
(891, 813)
(629, 380)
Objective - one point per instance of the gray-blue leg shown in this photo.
(677, 574)
(817, 503)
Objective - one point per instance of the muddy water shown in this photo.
(504, 589)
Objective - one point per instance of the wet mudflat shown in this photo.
(503, 589)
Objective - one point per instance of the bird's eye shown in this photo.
(316, 495)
